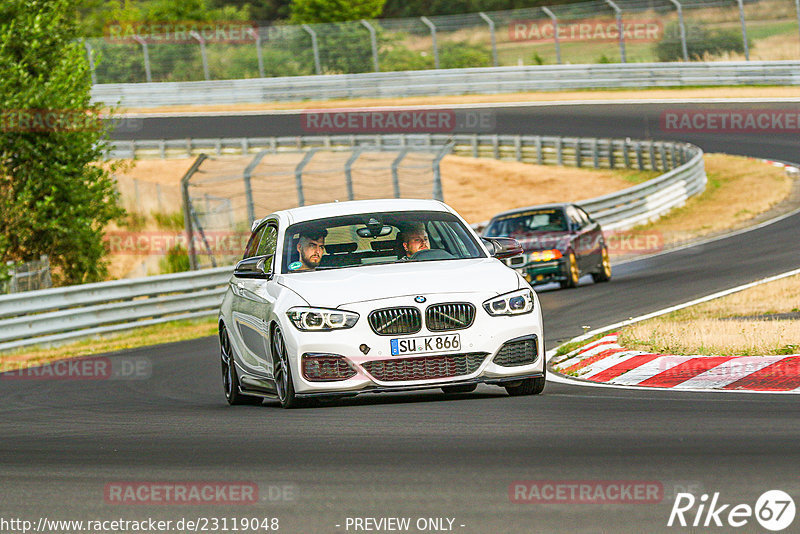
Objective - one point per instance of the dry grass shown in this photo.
(728, 201)
(702, 329)
(538, 96)
(142, 337)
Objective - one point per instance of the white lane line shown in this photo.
(729, 372)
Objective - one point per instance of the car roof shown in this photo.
(334, 209)
(554, 205)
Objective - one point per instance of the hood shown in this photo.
(338, 287)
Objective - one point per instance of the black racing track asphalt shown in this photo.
(422, 455)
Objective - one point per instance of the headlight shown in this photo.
(514, 303)
(321, 319)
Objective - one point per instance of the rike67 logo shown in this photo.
(774, 510)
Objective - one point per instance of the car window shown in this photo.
(268, 244)
(576, 219)
(528, 222)
(252, 245)
(377, 238)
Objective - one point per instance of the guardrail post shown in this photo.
(639, 162)
(744, 30)
(559, 152)
(187, 209)
(432, 28)
(652, 154)
(555, 32)
(162, 149)
(682, 28)
(298, 175)
(518, 147)
(314, 47)
(395, 175)
(618, 13)
(578, 149)
(259, 53)
(672, 163)
(492, 36)
(663, 153)
(203, 54)
(348, 176)
(595, 154)
(146, 55)
(539, 155)
(90, 57)
(496, 146)
(374, 42)
(610, 153)
(474, 145)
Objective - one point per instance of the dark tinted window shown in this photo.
(526, 222)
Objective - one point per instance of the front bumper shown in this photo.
(485, 338)
(544, 272)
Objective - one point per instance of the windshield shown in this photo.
(375, 238)
(528, 222)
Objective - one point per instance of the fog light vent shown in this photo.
(326, 367)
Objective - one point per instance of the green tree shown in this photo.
(54, 197)
(319, 11)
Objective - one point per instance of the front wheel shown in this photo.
(230, 379)
(573, 273)
(282, 371)
(529, 386)
(604, 274)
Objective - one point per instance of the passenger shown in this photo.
(414, 238)
(311, 247)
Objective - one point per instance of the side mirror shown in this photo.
(256, 267)
(502, 247)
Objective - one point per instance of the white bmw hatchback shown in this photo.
(339, 299)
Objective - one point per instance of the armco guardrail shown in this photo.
(488, 80)
(56, 315)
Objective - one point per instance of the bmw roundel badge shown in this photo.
(420, 299)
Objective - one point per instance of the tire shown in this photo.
(529, 386)
(230, 379)
(604, 274)
(282, 372)
(573, 273)
(463, 388)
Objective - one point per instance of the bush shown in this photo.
(699, 42)
(176, 261)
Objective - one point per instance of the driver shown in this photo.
(311, 247)
(414, 238)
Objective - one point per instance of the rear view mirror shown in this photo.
(502, 247)
(255, 267)
(374, 231)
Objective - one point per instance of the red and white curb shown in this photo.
(605, 361)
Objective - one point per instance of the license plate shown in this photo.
(425, 344)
